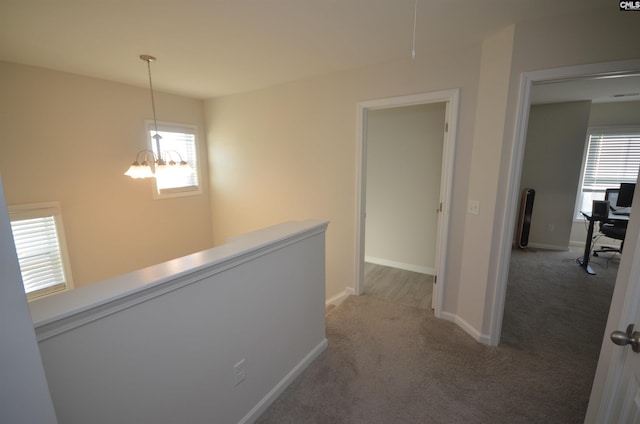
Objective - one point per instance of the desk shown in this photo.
(584, 261)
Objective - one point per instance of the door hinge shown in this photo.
(446, 127)
(435, 279)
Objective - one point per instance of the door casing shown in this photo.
(451, 98)
(509, 212)
(623, 308)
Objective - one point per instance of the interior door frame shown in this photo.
(451, 98)
(513, 178)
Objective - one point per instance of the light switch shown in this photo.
(474, 207)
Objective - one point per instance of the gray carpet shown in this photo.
(391, 363)
(554, 306)
(398, 285)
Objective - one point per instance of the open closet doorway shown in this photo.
(405, 172)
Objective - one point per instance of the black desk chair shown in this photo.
(614, 229)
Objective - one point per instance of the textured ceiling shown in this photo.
(218, 47)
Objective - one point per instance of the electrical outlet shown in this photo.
(474, 207)
(239, 371)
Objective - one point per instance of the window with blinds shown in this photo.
(612, 157)
(178, 142)
(39, 241)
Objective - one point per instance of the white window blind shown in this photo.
(612, 157)
(41, 254)
(611, 160)
(177, 142)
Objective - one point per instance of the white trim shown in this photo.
(39, 210)
(468, 328)
(273, 394)
(401, 265)
(340, 297)
(549, 247)
(446, 191)
(451, 98)
(513, 177)
(58, 314)
(361, 191)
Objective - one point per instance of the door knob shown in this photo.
(629, 338)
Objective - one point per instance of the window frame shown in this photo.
(591, 131)
(44, 210)
(168, 193)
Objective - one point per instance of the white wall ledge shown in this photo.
(62, 312)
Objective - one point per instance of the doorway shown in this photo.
(600, 387)
(603, 70)
(404, 161)
(448, 100)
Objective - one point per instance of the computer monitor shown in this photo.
(625, 197)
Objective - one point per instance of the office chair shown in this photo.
(614, 229)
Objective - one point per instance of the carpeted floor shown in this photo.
(392, 363)
(398, 285)
(554, 306)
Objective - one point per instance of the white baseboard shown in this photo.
(337, 299)
(468, 328)
(401, 265)
(273, 394)
(548, 247)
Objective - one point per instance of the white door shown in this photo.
(626, 403)
(615, 397)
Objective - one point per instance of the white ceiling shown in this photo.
(208, 48)
(598, 90)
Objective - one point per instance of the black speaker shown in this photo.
(524, 219)
(600, 209)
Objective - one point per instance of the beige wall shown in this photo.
(552, 164)
(475, 290)
(289, 151)
(69, 139)
(404, 162)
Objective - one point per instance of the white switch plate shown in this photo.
(474, 207)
